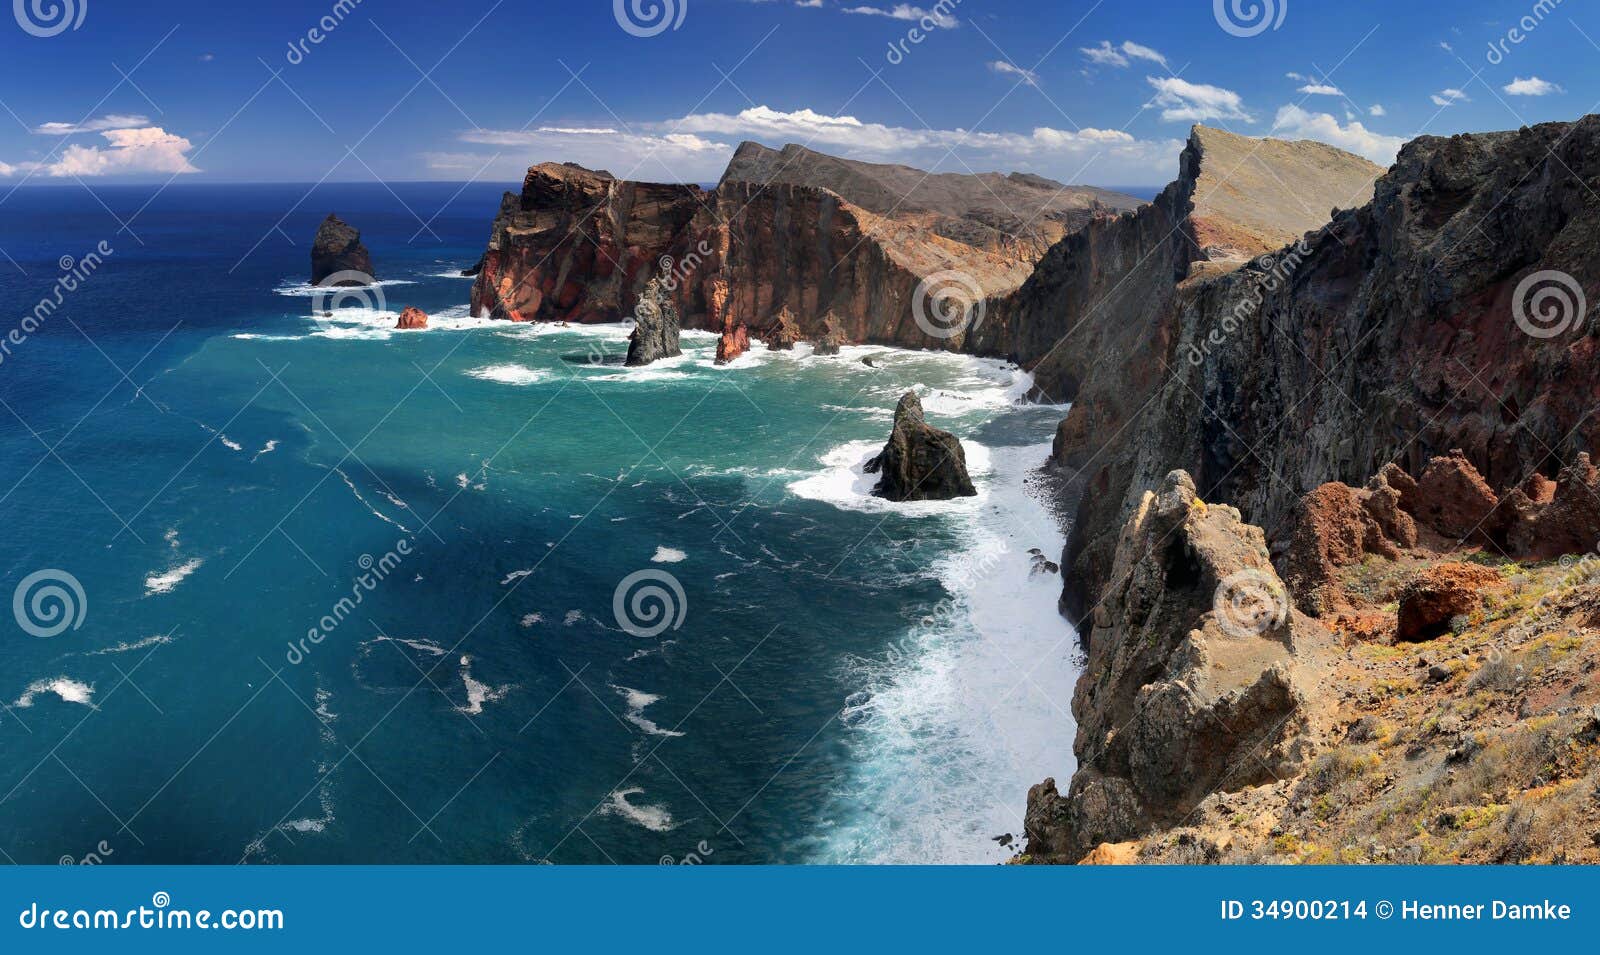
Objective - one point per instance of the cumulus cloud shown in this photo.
(149, 149)
(1183, 101)
(98, 124)
(1294, 122)
(1532, 86)
(933, 19)
(813, 4)
(1107, 55)
(697, 147)
(1449, 97)
(1377, 110)
(1321, 89)
(1011, 69)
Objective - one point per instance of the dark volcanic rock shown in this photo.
(785, 333)
(920, 462)
(338, 248)
(656, 326)
(832, 338)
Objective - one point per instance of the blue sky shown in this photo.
(1080, 91)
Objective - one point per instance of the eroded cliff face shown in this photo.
(1391, 335)
(779, 232)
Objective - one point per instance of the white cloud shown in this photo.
(1377, 110)
(696, 148)
(813, 4)
(1104, 54)
(150, 149)
(1532, 86)
(1321, 89)
(1183, 101)
(932, 19)
(1297, 77)
(98, 124)
(1011, 69)
(1107, 55)
(1446, 47)
(1139, 52)
(1292, 121)
(1449, 97)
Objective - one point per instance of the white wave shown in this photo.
(159, 639)
(450, 275)
(844, 482)
(164, 583)
(668, 555)
(478, 693)
(654, 818)
(255, 336)
(637, 701)
(514, 576)
(529, 619)
(68, 689)
(511, 374)
(268, 448)
(969, 708)
(307, 290)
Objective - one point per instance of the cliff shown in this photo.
(1391, 335)
(783, 230)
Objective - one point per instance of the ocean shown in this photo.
(313, 590)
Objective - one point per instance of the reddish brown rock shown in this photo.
(1548, 519)
(785, 331)
(1439, 594)
(412, 317)
(1453, 499)
(732, 344)
(1335, 526)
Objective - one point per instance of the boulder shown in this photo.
(920, 462)
(412, 317)
(1453, 499)
(656, 326)
(1335, 526)
(337, 248)
(1439, 594)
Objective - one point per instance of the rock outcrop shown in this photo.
(337, 248)
(832, 339)
(412, 317)
(920, 462)
(785, 333)
(1195, 682)
(1438, 595)
(656, 326)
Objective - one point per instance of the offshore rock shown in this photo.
(920, 462)
(412, 317)
(656, 327)
(338, 248)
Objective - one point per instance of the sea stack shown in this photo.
(832, 337)
(412, 317)
(338, 248)
(785, 333)
(656, 325)
(920, 462)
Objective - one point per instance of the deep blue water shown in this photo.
(217, 466)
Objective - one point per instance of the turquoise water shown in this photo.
(604, 615)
